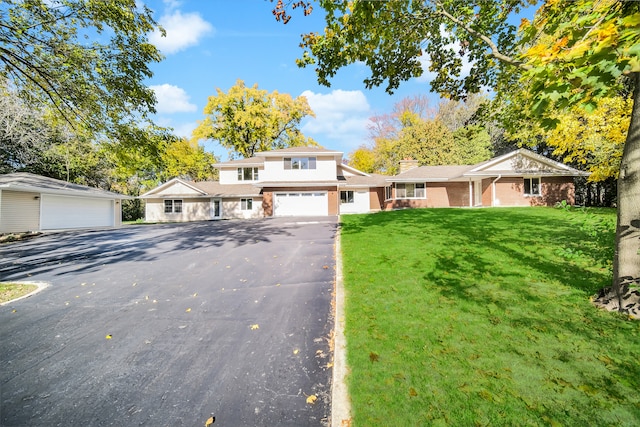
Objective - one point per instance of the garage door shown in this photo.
(60, 212)
(301, 204)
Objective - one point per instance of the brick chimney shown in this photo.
(408, 164)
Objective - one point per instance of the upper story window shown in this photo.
(173, 206)
(410, 191)
(532, 186)
(299, 163)
(247, 174)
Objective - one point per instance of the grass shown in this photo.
(477, 317)
(10, 291)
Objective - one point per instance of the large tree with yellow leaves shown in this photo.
(246, 120)
(574, 52)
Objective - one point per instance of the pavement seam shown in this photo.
(340, 403)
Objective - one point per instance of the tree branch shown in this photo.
(495, 52)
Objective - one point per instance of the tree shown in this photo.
(574, 52)
(363, 158)
(46, 57)
(247, 120)
(186, 159)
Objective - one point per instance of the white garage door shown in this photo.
(75, 212)
(301, 204)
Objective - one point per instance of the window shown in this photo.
(346, 196)
(247, 174)
(173, 206)
(246, 204)
(532, 186)
(299, 163)
(387, 193)
(410, 191)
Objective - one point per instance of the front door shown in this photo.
(216, 209)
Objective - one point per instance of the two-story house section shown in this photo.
(297, 181)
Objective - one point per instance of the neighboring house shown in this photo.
(297, 181)
(31, 202)
(518, 178)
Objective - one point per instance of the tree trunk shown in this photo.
(626, 263)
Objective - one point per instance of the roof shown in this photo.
(516, 163)
(249, 161)
(289, 184)
(432, 173)
(23, 181)
(202, 189)
(372, 180)
(300, 151)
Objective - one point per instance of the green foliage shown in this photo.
(474, 318)
(46, 56)
(247, 120)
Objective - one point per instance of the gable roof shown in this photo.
(516, 163)
(201, 189)
(523, 162)
(24, 181)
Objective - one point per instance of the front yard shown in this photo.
(482, 317)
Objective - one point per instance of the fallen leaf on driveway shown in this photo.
(254, 327)
(109, 336)
(296, 351)
(312, 399)
(188, 310)
(210, 421)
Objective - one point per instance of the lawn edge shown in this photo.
(41, 286)
(340, 402)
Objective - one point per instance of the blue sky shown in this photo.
(212, 43)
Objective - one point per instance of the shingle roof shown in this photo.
(23, 181)
(298, 150)
(214, 188)
(374, 180)
(249, 161)
(433, 173)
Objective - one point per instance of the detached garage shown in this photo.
(31, 202)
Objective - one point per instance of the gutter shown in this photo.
(493, 190)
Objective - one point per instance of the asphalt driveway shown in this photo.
(164, 325)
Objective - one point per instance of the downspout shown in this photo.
(493, 190)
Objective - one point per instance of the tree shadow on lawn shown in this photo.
(529, 236)
(88, 250)
(498, 268)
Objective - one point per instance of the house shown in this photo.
(296, 181)
(311, 181)
(518, 178)
(31, 202)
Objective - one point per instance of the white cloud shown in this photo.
(341, 116)
(172, 99)
(183, 31)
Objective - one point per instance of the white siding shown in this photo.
(361, 203)
(178, 188)
(19, 211)
(62, 212)
(231, 208)
(518, 163)
(274, 170)
(230, 175)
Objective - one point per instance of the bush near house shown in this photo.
(483, 317)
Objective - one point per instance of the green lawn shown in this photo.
(11, 291)
(477, 317)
